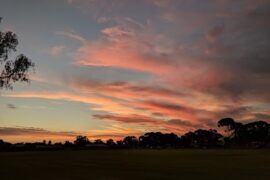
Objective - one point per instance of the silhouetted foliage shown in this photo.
(81, 141)
(250, 135)
(68, 144)
(201, 138)
(119, 143)
(98, 141)
(158, 140)
(110, 142)
(130, 141)
(12, 70)
(256, 133)
(4, 145)
(234, 127)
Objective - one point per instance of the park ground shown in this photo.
(136, 164)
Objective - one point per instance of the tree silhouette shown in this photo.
(257, 132)
(250, 135)
(201, 138)
(110, 142)
(12, 70)
(235, 129)
(158, 140)
(81, 141)
(130, 141)
(98, 141)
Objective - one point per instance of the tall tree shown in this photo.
(12, 70)
(201, 138)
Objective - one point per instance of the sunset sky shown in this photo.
(111, 68)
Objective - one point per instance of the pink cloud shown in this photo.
(100, 103)
(151, 123)
(174, 110)
(133, 46)
(115, 132)
(127, 91)
(128, 45)
(152, 99)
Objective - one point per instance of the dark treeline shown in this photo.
(251, 135)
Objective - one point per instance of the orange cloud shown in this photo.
(30, 134)
(173, 110)
(127, 91)
(152, 124)
(152, 99)
(115, 132)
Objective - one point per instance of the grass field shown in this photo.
(136, 164)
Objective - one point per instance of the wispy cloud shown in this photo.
(150, 123)
(71, 35)
(11, 106)
(128, 45)
(31, 134)
(56, 50)
(99, 103)
(30, 131)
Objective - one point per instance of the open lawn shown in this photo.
(136, 164)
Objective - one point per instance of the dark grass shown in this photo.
(136, 164)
